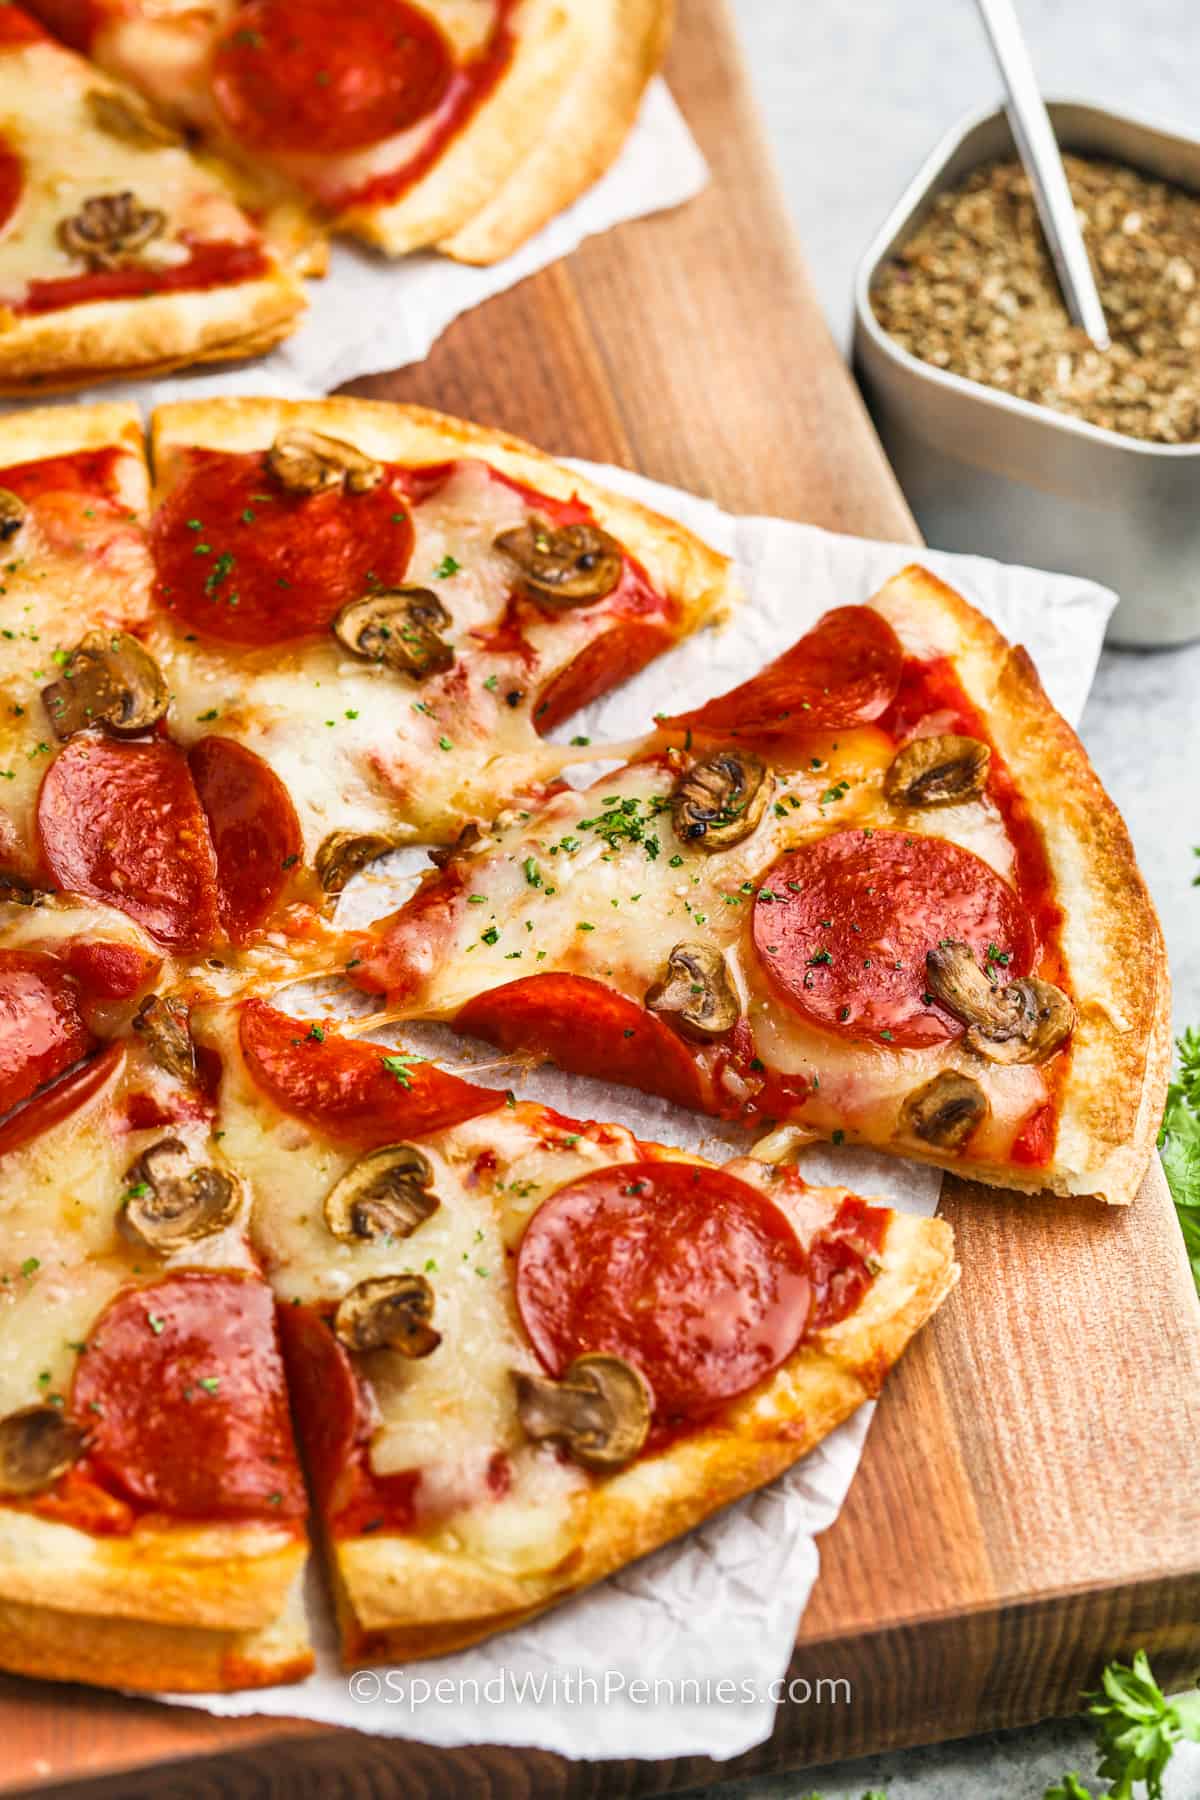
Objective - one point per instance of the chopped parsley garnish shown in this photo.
(401, 1067)
(447, 567)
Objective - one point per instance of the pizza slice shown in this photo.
(388, 608)
(465, 124)
(152, 1507)
(524, 1350)
(876, 893)
(120, 253)
(102, 806)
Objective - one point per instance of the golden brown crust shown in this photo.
(152, 1658)
(401, 1599)
(106, 340)
(627, 40)
(220, 1577)
(678, 562)
(1115, 1084)
(550, 37)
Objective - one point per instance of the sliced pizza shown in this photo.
(523, 1350)
(461, 123)
(103, 808)
(120, 253)
(388, 608)
(876, 893)
(152, 1506)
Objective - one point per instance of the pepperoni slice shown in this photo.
(586, 1027)
(94, 473)
(12, 176)
(241, 559)
(58, 1102)
(600, 666)
(110, 971)
(183, 1397)
(41, 1028)
(691, 1275)
(121, 822)
(17, 28)
(358, 1093)
(843, 924)
(324, 77)
(843, 672)
(254, 829)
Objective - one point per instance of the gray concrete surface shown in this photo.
(855, 93)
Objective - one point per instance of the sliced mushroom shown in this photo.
(945, 1111)
(568, 566)
(342, 854)
(123, 116)
(110, 230)
(468, 841)
(12, 514)
(600, 1410)
(388, 1312)
(718, 802)
(1025, 1021)
(937, 771)
(308, 462)
(108, 679)
(19, 892)
(37, 1445)
(163, 1022)
(400, 628)
(386, 1194)
(171, 1200)
(695, 992)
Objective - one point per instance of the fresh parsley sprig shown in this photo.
(1179, 1144)
(1137, 1729)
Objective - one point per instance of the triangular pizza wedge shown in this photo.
(389, 607)
(462, 123)
(120, 252)
(522, 1349)
(187, 840)
(152, 1507)
(876, 893)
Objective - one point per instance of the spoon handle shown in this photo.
(1039, 153)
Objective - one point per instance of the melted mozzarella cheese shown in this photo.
(68, 160)
(62, 572)
(63, 1255)
(450, 1413)
(561, 895)
(362, 748)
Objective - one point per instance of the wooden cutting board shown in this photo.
(1028, 1505)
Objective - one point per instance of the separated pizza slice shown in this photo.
(524, 1350)
(877, 893)
(151, 1504)
(388, 607)
(462, 123)
(119, 252)
(103, 805)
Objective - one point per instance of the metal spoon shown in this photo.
(1039, 153)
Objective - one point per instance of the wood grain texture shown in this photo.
(1027, 1504)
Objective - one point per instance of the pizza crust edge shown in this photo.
(397, 1600)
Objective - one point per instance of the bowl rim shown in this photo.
(979, 393)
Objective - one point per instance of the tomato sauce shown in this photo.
(208, 266)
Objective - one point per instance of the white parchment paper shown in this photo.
(677, 1654)
(369, 314)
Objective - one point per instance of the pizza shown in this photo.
(335, 627)
(120, 252)
(875, 894)
(462, 124)
(270, 1280)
